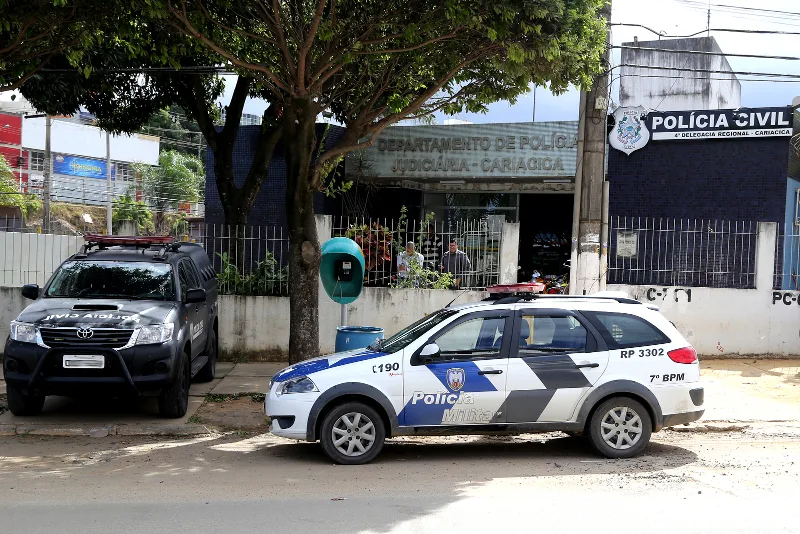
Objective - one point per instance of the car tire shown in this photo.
(174, 399)
(209, 370)
(350, 427)
(20, 403)
(620, 428)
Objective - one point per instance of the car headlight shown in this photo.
(24, 332)
(158, 333)
(300, 384)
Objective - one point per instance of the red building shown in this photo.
(11, 146)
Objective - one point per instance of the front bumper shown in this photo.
(128, 371)
(289, 413)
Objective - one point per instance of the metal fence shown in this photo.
(787, 259)
(249, 260)
(685, 252)
(30, 258)
(382, 240)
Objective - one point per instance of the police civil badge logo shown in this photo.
(630, 132)
(455, 378)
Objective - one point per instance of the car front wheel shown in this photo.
(352, 434)
(620, 428)
(174, 400)
(20, 403)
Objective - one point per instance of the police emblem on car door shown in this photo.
(462, 382)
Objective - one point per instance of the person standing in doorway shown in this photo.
(456, 263)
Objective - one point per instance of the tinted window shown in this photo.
(185, 279)
(113, 279)
(478, 337)
(622, 330)
(546, 334)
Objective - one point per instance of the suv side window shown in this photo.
(195, 276)
(543, 334)
(186, 279)
(479, 337)
(621, 330)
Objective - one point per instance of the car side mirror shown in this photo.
(429, 353)
(30, 291)
(194, 296)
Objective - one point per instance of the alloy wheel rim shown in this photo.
(621, 428)
(353, 434)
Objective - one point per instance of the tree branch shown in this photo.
(302, 55)
(194, 32)
(233, 117)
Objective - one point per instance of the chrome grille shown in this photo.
(112, 338)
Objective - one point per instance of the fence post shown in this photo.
(509, 253)
(765, 254)
(324, 228)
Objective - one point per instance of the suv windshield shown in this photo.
(409, 334)
(113, 279)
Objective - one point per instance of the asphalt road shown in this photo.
(744, 481)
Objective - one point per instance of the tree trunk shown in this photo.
(304, 253)
(235, 207)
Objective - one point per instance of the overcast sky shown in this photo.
(674, 17)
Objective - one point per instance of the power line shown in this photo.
(704, 53)
(727, 7)
(744, 73)
(730, 30)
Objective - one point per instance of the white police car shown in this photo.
(609, 368)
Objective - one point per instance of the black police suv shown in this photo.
(127, 316)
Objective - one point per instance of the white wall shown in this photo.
(31, 258)
(728, 322)
(261, 324)
(84, 140)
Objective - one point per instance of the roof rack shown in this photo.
(512, 293)
(167, 243)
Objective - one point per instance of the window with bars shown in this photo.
(124, 172)
(37, 161)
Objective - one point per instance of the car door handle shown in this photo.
(582, 365)
(491, 372)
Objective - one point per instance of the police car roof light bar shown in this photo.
(103, 241)
(511, 293)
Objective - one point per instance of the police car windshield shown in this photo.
(410, 334)
(113, 279)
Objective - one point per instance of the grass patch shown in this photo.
(194, 420)
(216, 397)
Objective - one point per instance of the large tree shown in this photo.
(371, 63)
(374, 63)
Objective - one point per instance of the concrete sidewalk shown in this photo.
(62, 416)
(737, 391)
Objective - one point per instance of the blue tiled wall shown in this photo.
(740, 179)
(270, 206)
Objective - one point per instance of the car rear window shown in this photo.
(622, 330)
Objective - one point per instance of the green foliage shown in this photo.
(267, 279)
(10, 194)
(178, 179)
(127, 209)
(422, 278)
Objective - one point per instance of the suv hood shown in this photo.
(108, 313)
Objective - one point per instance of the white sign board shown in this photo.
(627, 244)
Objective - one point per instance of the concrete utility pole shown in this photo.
(587, 272)
(109, 190)
(48, 169)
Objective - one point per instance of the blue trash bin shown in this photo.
(356, 337)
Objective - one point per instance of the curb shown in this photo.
(104, 430)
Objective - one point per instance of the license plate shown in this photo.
(84, 361)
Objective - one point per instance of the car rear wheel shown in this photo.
(174, 400)
(620, 428)
(209, 370)
(352, 434)
(20, 403)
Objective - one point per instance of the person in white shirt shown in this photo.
(406, 258)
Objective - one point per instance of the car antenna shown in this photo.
(457, 297)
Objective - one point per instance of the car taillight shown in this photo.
(684, 355)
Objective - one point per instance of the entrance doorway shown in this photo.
(545, 232)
